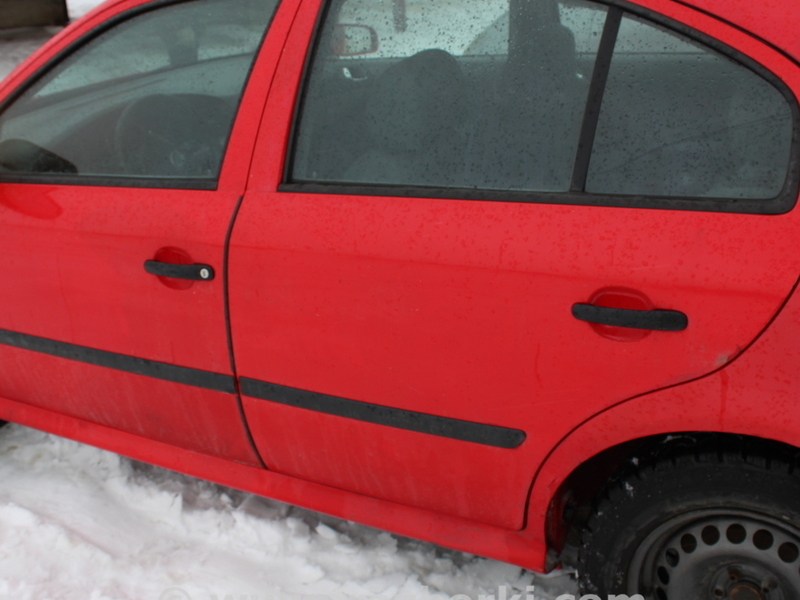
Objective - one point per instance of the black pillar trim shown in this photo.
(597, 88)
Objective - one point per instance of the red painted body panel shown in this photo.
(775, 21)
(385, 322)
(455, 308)
(755, 395)
(79, 278)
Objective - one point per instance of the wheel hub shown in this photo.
(736, 556)
(742, 582)
(745, 591)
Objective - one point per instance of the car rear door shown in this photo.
(116, 197)
(478, 241)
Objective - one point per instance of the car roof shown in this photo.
(775, 21)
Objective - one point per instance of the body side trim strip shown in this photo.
(121, 362)
(467, 431)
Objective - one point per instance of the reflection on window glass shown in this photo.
(465, 94)
(159, 39)
(405, 28)
(153, 97)
(681, 120)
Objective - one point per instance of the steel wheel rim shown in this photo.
(718, 554)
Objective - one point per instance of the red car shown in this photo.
(513, 276)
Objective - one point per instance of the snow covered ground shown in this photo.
(78, 523)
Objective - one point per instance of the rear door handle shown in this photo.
(655, 320)
(195, 272)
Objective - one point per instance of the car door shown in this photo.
(502, 220)
(115, 203)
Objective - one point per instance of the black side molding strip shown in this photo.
(121, 362)
(467, 431)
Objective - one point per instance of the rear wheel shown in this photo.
(703, 526)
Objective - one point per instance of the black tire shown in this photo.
(701, 526)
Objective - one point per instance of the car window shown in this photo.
(679, 119)
(446, 97)
(494, 95)
(153, 97)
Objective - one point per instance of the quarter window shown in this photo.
(465, 94)
(681, 120)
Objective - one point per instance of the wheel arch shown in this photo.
(580, 466)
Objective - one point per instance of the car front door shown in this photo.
(501, 221)
(116, 196)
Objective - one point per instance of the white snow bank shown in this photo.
(78, 523)
(78, 8)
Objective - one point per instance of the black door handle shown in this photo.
(195, 272)
(656, 319)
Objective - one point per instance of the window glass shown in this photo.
(681, 120)
(405, 27)
(464, 93)
(153, 97)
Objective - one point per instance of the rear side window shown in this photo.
(151, 98)
(522, 97)
(465, 94)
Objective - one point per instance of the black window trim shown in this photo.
(144, 182)
(111, 181)
(783, 203)
(594, 100)
(299, 100)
